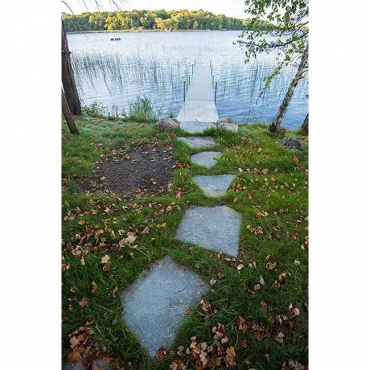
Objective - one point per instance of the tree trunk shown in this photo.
(275, 126)
(68, 79)
(304, 126)
(68, 116)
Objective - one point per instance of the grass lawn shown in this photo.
(256, 314)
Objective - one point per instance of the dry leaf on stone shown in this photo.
(162, 353)
(187, 311)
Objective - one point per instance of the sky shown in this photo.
(231, 8)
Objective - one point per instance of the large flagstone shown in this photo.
(213, 228)
(206, 159)
(196, 142)
(154, 305)
(214, 185)
(196, 126)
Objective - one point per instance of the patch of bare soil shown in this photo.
(140, 170)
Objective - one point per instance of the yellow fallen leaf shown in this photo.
(105, 259)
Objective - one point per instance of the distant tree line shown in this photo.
(151, 19)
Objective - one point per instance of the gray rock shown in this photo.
(291, 143)
(214, 185)
(196, 126)
(167, 124)
(154, 305)
(213, 228)
(206, 159)
(196, 142)
(228, 124)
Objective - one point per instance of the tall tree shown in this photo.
(68, 79)
(287, 35)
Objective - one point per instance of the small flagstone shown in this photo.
(196, 126)
(214, 185)
(196, 142)
(213, 228)
(206, 159)
(154, 305)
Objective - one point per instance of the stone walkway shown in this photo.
(154, 305)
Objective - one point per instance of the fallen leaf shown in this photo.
(262, 281)
(161, 226)
(240, 266)
(244, 344)
(279, 337)
(242, 324)
(162, 353)
(177, 364)
(270, 265)
(259, 337)
(84, 302)
(203, 358)
(105, 259)
(145, 230)
(130, 239)
(220, 275)
(213, 281)
(206, 307)
(75, 355)
(187, 311)
(230, 356)
(294, 312)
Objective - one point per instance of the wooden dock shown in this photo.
(199, 104)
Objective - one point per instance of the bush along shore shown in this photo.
(125, 189)
(153, 20)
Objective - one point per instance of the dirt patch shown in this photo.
(140, 170)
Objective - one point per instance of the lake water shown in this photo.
(156, 64)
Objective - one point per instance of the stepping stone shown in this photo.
(154, 305)
(196, 142)
(206, 159)
(196, 126)
(214, 185)
(213, 228)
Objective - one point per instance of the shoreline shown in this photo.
(139, 31)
